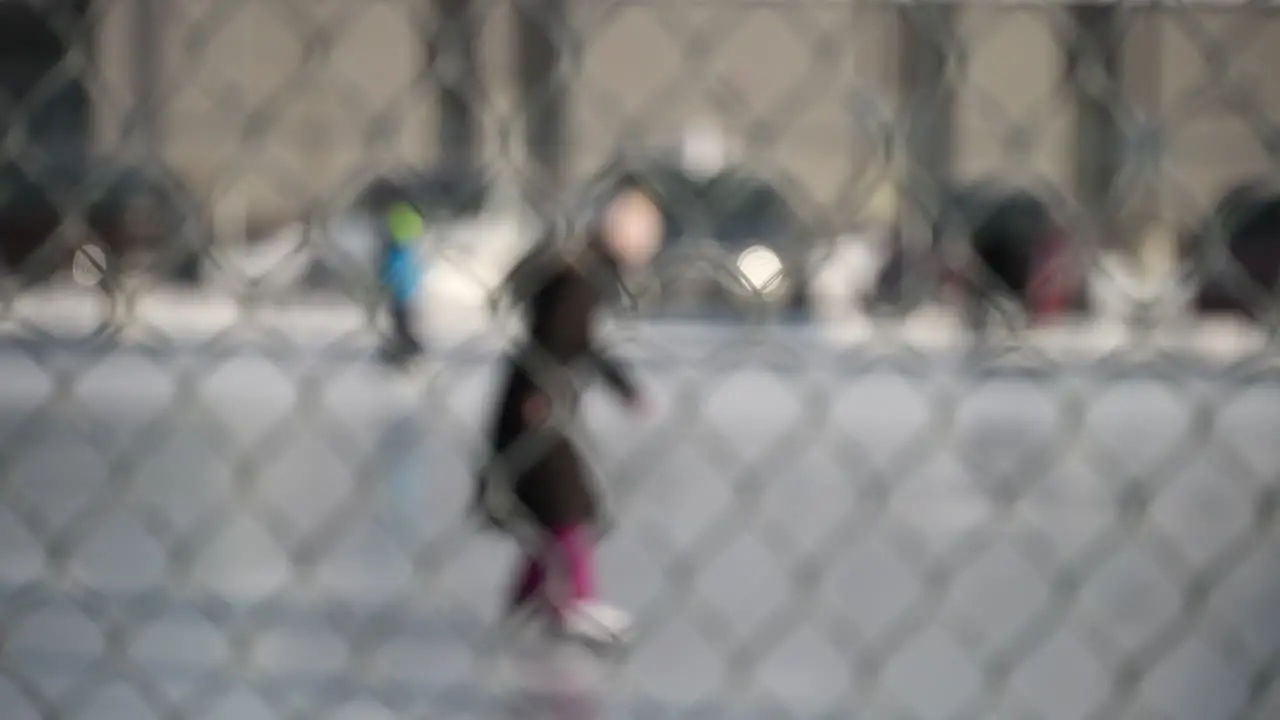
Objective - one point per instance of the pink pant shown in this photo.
(568, 555)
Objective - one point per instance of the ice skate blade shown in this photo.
(525, 618)
(611, 644)
(400, 363)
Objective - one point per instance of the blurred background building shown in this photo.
(1143, 115)
(327, 88)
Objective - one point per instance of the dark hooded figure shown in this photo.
(535, 484)
(1013, 241)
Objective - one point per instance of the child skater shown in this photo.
(536, 486)
(400, 232)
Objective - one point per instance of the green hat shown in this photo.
(404, 223)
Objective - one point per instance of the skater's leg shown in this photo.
(527, 597)
(530, 581)
(403, 324)
(401, 342)
(391, 340)
(576, 551)
(399, 323)
(570, 560)
(581, 615)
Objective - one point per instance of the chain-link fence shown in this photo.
(216, 502)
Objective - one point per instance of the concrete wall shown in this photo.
(1208, 76)
(805, 89)
(255, 112)
(811, 91)
(258, 106)
(1014, 116)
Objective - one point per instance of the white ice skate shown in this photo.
(597, 625)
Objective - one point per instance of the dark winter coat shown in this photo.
(539, 465)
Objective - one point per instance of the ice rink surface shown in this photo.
(275, 528)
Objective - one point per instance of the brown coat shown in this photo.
(538, 463)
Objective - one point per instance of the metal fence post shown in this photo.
(928, 40)
(1096, 79)
(544, 40)
(451, 51)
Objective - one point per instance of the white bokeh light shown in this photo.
(88, 265)
(762, 269)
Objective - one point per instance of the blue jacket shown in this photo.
(401, 272)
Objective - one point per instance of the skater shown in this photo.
(535, 486)
(400, 270)
(1013, 243)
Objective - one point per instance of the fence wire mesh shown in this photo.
(958, 356)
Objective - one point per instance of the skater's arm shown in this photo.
(511, 285)
(527, 277)
(615, 373)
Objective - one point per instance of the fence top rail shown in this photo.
(1159, 4)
